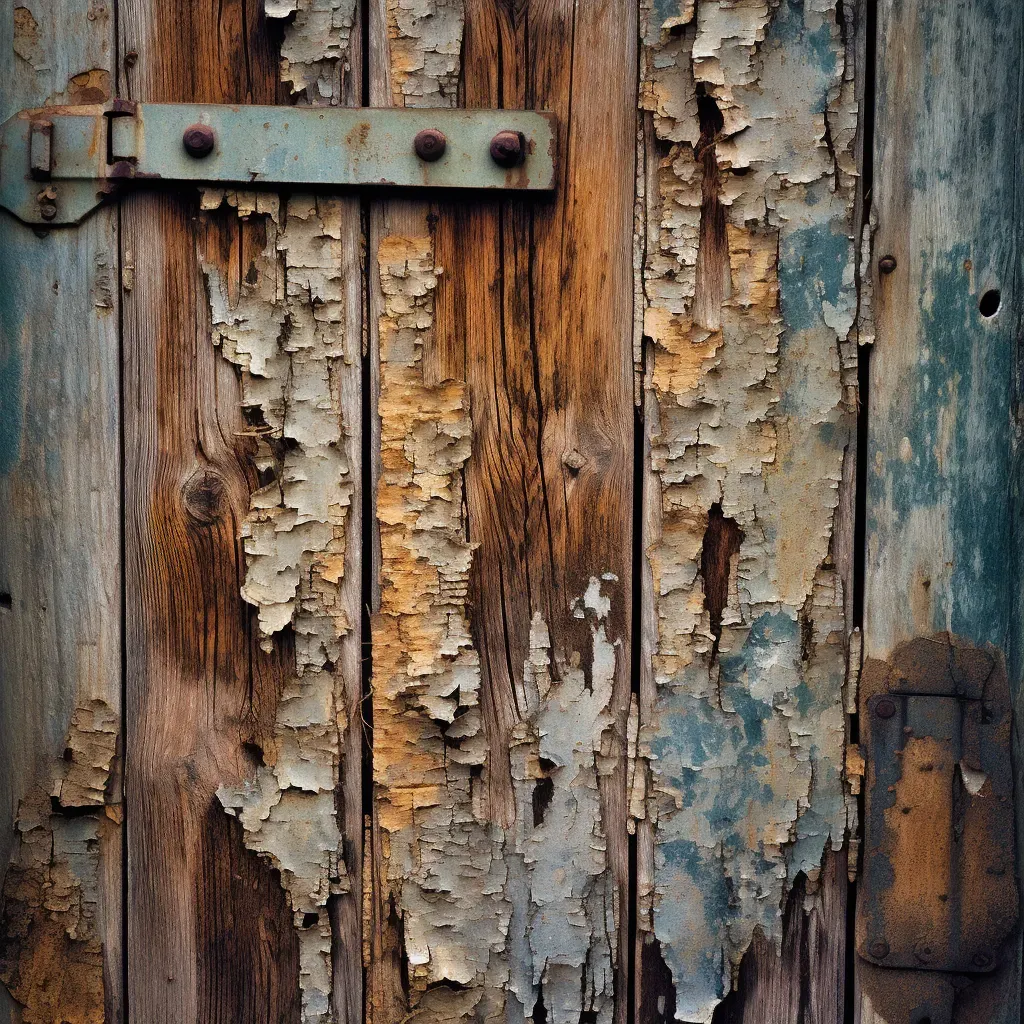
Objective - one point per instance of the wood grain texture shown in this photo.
(515, 331)
(746, 261)
(943, 471)
(210, 931)
(60, 584)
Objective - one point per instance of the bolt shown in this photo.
(198, 140)
(47, 200)
(887, 264)
(507, 148)
(981, 960)
(885, 708)
(879, 950)
(430, 144)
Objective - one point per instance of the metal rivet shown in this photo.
(430, 144)
(923, 951)
(198, 140)
(887, 264)
(885, 708)
(879, 950)
(507, 149)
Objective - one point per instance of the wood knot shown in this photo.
(574, 461)
(205, 497)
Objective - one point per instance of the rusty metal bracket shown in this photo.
(59, 163)
(938, 889)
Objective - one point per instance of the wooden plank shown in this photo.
(242, 473)
(746, 267)
(501, 649)
(943, 467)
(60, 622)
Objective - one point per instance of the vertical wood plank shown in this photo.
(230, 709)
(943, 470)
(60, 615)
(501, 650)
(746, 263)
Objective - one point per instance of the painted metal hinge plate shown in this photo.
(938, 890)
(59, 163)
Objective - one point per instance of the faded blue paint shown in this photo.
(963, 374)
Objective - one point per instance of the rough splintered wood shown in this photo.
(747, 268)
(60, 673)
(501, 654)
(944, 471)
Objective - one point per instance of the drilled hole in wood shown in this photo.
(989, 304)
(5, 601)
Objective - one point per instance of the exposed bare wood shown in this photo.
(204, 944)
(60, 586)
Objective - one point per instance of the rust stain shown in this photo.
(90, 87)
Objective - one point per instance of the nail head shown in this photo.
(198, 140)
(507, 148)
(430, 144)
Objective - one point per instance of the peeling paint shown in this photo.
(286, 333)
(493, 920)
(317, 46)
(444, 864)
(750, 301)
(425, 38)
(51, 950)
(27, 43)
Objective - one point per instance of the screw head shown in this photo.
(879, 949)
(430, 144)
(507, 148)
(48, 211)
(885, 708)
(887, 264)
(981, 960)
(198, 140)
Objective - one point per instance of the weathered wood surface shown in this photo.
(943, 477)
(235, 710)
(60, 579)
(501, 644)
(746, 263)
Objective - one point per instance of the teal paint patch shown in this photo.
(11, 406)
(955, 421)
(812, 265)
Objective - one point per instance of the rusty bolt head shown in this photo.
(885, 708)
(198, 140)
(887, 264)
(47, 211)
(879, 949)
(507, 149)
(430, 144)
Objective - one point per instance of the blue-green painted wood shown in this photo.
(942, 463)
(60, 632)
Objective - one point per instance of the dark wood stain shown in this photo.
(210, 936)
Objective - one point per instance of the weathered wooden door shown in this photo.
(424, 604)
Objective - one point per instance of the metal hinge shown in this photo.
(59, 163)
(938, 890)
